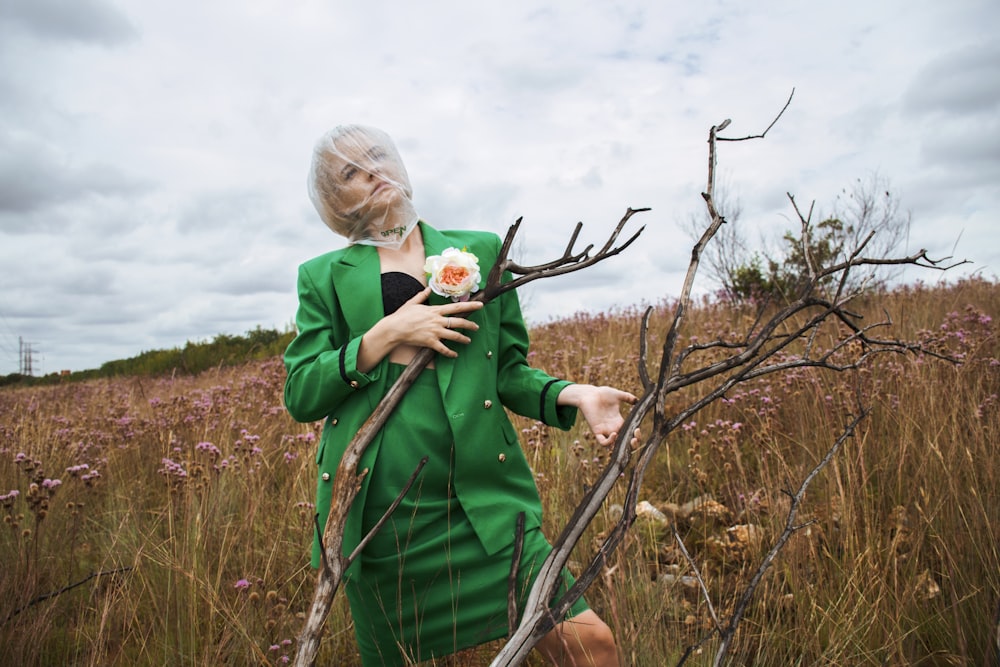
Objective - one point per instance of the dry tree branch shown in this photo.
(763, 134)
(385, 515)
(805, 223)
(66, 589)
(767, 348)
(727, 633)
(790, 527)
(538, 617)
(569, 261)
(347, 480)
(699, 578)
(515, 566)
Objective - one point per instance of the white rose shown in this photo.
(454, 273)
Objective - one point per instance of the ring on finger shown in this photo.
(447, 323)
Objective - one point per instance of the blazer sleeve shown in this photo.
(322, 361)
(528, 391)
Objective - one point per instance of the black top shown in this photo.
(397, 289)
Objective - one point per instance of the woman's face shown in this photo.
(360, 187)
(363, 173)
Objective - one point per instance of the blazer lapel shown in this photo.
(434, 244)
(356, 280)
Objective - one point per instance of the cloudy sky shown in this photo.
(153, 154)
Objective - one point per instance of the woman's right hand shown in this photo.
(416, 324)
(420, 325)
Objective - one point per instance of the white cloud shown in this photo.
(67, 20)
(153, 156)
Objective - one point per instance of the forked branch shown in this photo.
(780, 342)
(568, 262)
(791, 527)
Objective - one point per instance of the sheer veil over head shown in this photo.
(360, 187)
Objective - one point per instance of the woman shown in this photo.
(434, 580)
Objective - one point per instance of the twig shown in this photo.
(515, 565)
(701, 581)
(768, 128)
(64, 589)
(538, 614)
(569, 261)
(790, 527)
(385, 517)
(763, 351)
(996, 631)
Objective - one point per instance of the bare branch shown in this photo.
(701, 580)
(537, 618)
(765, 349)
(712, 159)
(790, 527)
(385, 516)
(568, 262)
(515, 565)
(805, 222)
(782, 337)
(642, 366)
(66, 589)
(763, 134)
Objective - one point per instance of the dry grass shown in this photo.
(198, 517)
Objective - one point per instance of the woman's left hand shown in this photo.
(600, 406)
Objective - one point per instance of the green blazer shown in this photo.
(340, 298)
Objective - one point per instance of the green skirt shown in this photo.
(427, 586)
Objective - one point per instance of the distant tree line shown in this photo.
(193, 358)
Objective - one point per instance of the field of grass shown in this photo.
(168, 521)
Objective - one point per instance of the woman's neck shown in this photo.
(409, 258)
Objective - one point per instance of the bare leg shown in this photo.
(582, 641)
